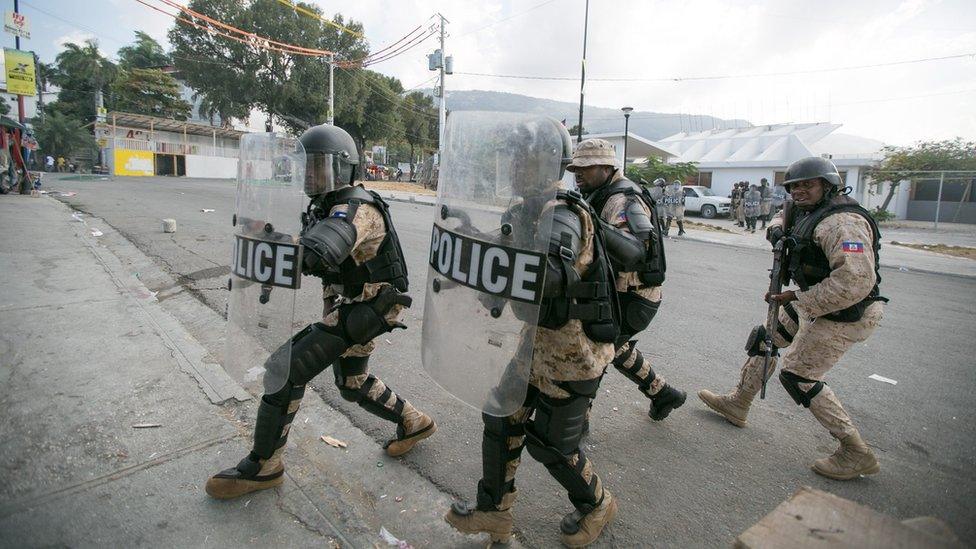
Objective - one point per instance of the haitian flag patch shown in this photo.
(853, 247)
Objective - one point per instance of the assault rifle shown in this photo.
(778, 276)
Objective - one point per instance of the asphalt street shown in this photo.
(691, 480)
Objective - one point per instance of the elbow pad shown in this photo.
(327, 244)
(624, 250)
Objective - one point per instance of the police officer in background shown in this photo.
(637, 252)
(674, 201)
(350, 243)
(656, 190)
(740, 210)
(833, 258)
(751, 207)
(766, 206)
(572, 346)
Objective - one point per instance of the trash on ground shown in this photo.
(77, 216)
(146, 425)
(882, 379)
(169, 225)
(96, 232)
(398, 499)
(334, 442)
(207, 210)
(392, 540)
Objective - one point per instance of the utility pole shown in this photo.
(20, 98)
(331, 117)
(586, 22)
(442, 108)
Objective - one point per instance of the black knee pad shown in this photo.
(755, 340)
(558, 423)
(313, 350)
(791, 382)
(636, 313)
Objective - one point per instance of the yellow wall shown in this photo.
(133, 162)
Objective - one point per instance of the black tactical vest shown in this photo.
(589, 297)
(388, 265)
(808, 264)
(651, 272)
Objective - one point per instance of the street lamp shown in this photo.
(627, 111)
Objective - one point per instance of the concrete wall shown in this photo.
(871, 197)
(211, 166)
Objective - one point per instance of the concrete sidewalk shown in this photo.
(114, 415)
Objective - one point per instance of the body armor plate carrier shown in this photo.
(808, 265)
(388, 265)
(651, 271)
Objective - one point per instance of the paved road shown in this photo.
(693, 480)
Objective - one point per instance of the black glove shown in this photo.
(774, 233)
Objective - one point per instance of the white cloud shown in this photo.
(74, 37)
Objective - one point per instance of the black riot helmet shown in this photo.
(331, 159)
(813, 167)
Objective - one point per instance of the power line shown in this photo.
(314, 15)
(725, 76)
(513, 16)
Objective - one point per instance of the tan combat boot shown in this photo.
(497, 523)
(250, 475)
(415, 427)
(733, 407)
(852, 459)
(589, 526)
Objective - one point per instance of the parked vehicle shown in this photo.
(703, 201)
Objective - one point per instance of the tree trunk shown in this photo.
(411, 162)
(891, 194)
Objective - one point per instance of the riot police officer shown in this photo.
(350, 243)
(637, 252)
(573, 342)
(766, 206)
(751, 207)
(656, 191)
(674, 202)
(833, 258)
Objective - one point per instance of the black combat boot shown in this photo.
(665, 400)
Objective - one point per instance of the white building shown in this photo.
(638, 148)
(727, 156)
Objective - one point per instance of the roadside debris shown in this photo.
(392, 540)
(95, 232)
(169, 225)
(207, 210)
(882, 379)
(146, 425)
(334, 442)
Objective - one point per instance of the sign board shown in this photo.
(100, 114)
(16, 24)
(20, 72)
(138, 163)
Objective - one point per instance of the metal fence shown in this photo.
(939, 196)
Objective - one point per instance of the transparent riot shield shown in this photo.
(495, 196)
(266, 260)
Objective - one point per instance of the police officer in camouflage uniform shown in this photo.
(350, 243)
(637, 252)
(833, 258)
(766, 206)
(573, 343)
(656, 190)
(674, 203)
(751, 207)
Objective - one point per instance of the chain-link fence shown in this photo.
(946, 196)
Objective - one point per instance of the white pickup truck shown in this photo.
(703, 201)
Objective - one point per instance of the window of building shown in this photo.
(704, 179)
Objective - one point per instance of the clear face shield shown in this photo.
(321, 173)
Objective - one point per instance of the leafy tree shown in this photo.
(146, 53)
(149, 91)
(574, 131)
(43, 73)
(905, 163)
(81, 71)
(377, 116)
(655, 168)
(61, 135)
(419, 117)
(233, 77)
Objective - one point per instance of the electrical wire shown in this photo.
(314, 15)
(400, 51)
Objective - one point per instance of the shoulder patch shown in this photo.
(338, 213)
(851, 247)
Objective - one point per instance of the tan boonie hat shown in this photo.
(593, 152)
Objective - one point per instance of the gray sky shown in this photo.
(648, 39)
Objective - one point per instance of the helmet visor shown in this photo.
(320, 173)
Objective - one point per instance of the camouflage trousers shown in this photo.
(505, 438)
(812, 347)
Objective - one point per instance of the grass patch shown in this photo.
(706, 227)
(957, 251)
